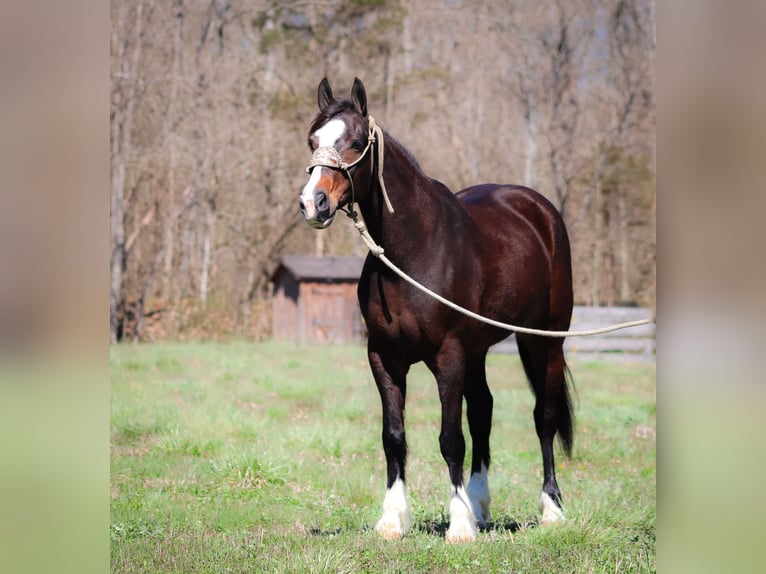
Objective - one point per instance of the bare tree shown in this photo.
(211, 100)
(127, 42)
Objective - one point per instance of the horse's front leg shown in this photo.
(449, 369)
(391, 381)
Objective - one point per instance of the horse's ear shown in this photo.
(359, 97)
(324, 94)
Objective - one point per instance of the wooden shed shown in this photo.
(314, 299)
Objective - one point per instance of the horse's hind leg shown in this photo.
(544, 364)
(479, 411)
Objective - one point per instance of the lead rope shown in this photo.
(377, 251)
(376, 131)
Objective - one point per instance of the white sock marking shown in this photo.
(478, 494)
(550, 510)
(395, 521)
(462, 522)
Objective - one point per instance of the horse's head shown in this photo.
(340, 139)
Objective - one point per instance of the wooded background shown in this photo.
(211, 102)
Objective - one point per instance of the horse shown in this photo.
(499, 250)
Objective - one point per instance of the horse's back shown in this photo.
(512, 209)
(525, 236)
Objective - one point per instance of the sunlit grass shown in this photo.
(266, 457)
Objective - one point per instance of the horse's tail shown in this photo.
(565, 413)
(563, 397)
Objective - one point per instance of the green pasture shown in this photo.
(266, 457)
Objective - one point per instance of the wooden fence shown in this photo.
(632, 344)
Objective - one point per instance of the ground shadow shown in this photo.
(328, 532)
(439, 527)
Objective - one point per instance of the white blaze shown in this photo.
(330, 133)
(327, 135)
(307, 193)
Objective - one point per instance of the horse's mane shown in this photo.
(405, 151)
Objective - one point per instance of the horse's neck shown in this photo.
(416, 200)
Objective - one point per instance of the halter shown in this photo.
(328, 156)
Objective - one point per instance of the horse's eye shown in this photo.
(357, 145)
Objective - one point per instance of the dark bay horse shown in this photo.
(498, 250)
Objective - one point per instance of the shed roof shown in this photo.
(308, 268)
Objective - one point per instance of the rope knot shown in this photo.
(374, 248)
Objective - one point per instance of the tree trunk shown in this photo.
(122, 124)
(170, 228)
(118, 250)
(531, 144)
(624, 248)
(188, 198)
(597, 261)
(206, 250)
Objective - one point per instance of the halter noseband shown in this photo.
(328, 156)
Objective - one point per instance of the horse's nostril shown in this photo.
(322, 202)
(302, 205)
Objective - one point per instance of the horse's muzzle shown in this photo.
(316, 210)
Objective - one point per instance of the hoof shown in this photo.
(483, 516)
(459, 534)
(551, 512)
(388, 530)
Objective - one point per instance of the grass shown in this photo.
(266, 457)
